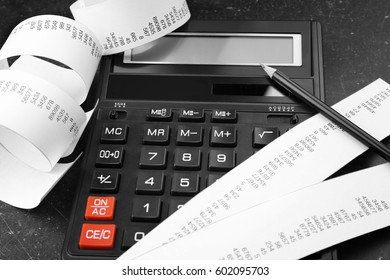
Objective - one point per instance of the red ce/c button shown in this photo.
(97, 236)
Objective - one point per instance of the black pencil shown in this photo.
(327, 111)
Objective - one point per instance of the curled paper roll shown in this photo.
(40, 112)
(57, 38)
(43, 120)
(120, 25)
(56, 61)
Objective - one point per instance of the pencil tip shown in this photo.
(269, 70)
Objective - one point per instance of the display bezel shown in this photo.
(297, 49)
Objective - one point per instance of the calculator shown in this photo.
(175, 115)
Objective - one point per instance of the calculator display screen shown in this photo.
(221, 49)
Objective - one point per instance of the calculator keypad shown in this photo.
(147, 163)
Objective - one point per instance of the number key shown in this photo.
(110, 156)
(153, 157)
(185, 184)
(187, 159)
(221, 160)
(135, 233)
(150, 183)
(176, 203)
(147, 209)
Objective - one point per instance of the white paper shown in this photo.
(295, 225)
(23, 186)
(122, 24)
(58, 38)
(66, 79)
(38, 121)
(306, 155)
(26, 188)
(40, 94)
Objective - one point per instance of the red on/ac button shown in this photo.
(97, 236)
(100, 208)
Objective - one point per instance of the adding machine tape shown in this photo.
(56, 61)
(305, 155)
(295, 225)
(73, 44)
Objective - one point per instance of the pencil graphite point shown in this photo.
(270, 71)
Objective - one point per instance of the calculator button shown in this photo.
(146, 209)
(187, 159)
(226, 116)
(223, 136)
(100, 208)
(110, 156)
(153, 157)
(185, 184)
(156, 134)
(264, 135)
(176, 203)
(114, 133)
(97, 236)
(189, 135)
(134, 234)
(159, 114)
(221, 160)
(190, 115)
(212, 178)
(150, 182)
(105, 181)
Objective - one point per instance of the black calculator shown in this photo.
(176, 115)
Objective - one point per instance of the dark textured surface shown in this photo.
(356, 37)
